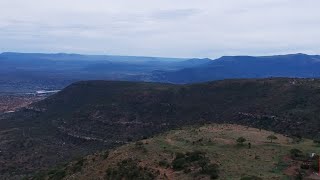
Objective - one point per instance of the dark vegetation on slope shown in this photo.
(92, 115)
(265, 103)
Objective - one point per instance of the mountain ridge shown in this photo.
(231, 67)
(20, 71)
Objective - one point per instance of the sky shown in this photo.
(167, 28)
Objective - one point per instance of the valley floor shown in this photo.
(10, 103)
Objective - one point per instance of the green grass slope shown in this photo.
(206, 152)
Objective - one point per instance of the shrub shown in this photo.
(296, 153)
(316, 141)
(198, 159)
(140, 146)
(105, 154)
(241, 140)
(195, 156)
(297, 138)
(57, 174)
(38, 176)
(128, 169)
(251, 178)
(139, 143)
(180, 155)
(78, 166)
(164, 163)
(272, 137)
(187, 170)
(184, 160)
(203, 163)
(179, 164)
(212, 170)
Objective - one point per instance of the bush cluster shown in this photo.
(317, 140)
(164, 163)
(183, 160)
(251, 178)
(129, 169)
(296, 153)
(78, 165)
(196, 158)
(241, 140)
(105, 154)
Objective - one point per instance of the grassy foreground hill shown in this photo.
(205, 152)
(90, 116)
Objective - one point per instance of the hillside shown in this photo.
(231, 67)
(198, 153)
(94, 115)
(267, 103)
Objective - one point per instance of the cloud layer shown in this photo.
(179, 28)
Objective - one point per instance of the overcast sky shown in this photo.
(171, 28)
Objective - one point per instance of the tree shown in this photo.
(272, 137)
(203, 163)
(241, 140)
(212, 170)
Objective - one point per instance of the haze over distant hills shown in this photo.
(33, 71)
(231, 67)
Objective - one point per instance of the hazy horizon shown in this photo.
(186, 58)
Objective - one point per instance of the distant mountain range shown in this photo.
(34, 71)
(24, 72)
(232, 67)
